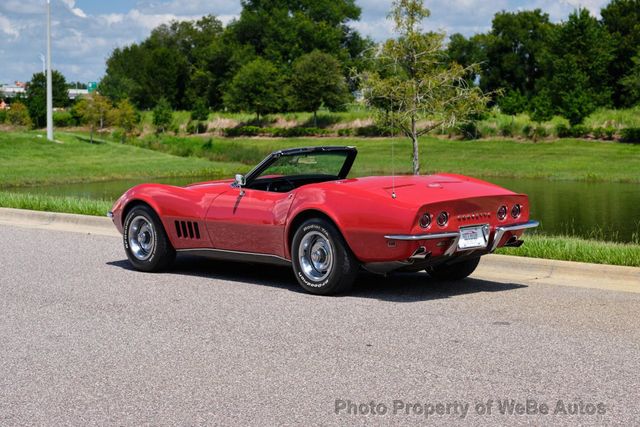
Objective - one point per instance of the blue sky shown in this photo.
(86, 31)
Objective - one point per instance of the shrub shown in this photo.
(195, 127)
(507, 129)
(563, 131)
(539, 132)
(63, 119)
(469, 130)
(609, 133)
(18, 115)
(345, 132)
(580, 131)
(200, 111)
(162, 115)
(630, 135)
(371, 131)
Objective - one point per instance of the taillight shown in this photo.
(443, 219)
(502, 212)
(516, 210)
(425, 220)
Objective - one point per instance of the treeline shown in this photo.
(277, 56)
(568, 69)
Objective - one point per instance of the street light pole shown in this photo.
(49, 77)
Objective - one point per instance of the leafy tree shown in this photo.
(93, 110)
(162, 115)
(515, 48)
(18, 115)
(200, 110)
(622, 20)
(257, 87)
(631, 83)
(466, 52)
(125, 117)
(281, 31)
(316, 80)
(37, 96)
(413, 86)
(576, 79)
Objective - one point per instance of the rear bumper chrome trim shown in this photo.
(110, 214)
(497, 236)
(432, 236)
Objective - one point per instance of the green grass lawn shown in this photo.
(565, 159)
(575, 249)
(28, 159)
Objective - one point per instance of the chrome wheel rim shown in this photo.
(142, 238)
(316, 256)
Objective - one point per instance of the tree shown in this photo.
(200, 110)
(257, 87)
(37, 96)
(18, 115)
(576, 70)
(467, 52)
(281, 31)
(316, 80)
(631, 83)
(125, 117)
(621, 18)
(413, 87)
(93, 110)
(162, 115)
(514, 49)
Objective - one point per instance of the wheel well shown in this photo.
(132, 204)
(305, 215)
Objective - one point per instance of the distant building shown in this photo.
(11, 91)
(77, 93)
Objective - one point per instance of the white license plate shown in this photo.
(473, 237)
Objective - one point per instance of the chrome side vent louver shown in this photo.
(187, 230)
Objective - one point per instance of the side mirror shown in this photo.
(240, 180)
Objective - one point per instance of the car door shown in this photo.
(248, 220)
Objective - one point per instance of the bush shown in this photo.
(469, 130)
(345, 132)
(563, 131)
(276, 132)
(3, 116)
(630, 135)
(195, 127)
(162, 115)
(18, 115)
(200, 111)
(580, 131)
(609, 133)
(539, 132)
(63, 119)
(507, 129)
(372, 131)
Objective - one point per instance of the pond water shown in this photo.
(605, 211)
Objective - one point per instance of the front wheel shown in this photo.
(145, 241)
(456, 271)
(322, 261)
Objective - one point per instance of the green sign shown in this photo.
(91, 86)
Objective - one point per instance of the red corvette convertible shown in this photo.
(297, 207)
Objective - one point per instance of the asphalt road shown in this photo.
(84, 340)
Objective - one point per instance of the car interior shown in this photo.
(284, 184)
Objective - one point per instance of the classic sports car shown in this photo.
(297, 207)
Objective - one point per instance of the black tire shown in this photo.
(456, 271)
(339, 275)
(156, 254)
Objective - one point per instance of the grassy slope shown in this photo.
(27, 159)
(565, 159)
(575, 249)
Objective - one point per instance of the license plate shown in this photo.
(473, 237)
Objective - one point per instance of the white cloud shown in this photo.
(8, 28)
(71, 4)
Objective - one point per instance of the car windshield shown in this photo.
(304, 164)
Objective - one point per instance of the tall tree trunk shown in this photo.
(414, 140)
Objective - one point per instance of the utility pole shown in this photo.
(49, 77)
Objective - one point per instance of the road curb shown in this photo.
(58, 221)
(499, 268)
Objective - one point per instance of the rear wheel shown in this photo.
(322, 261)
(145, 241)
(457, 271)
